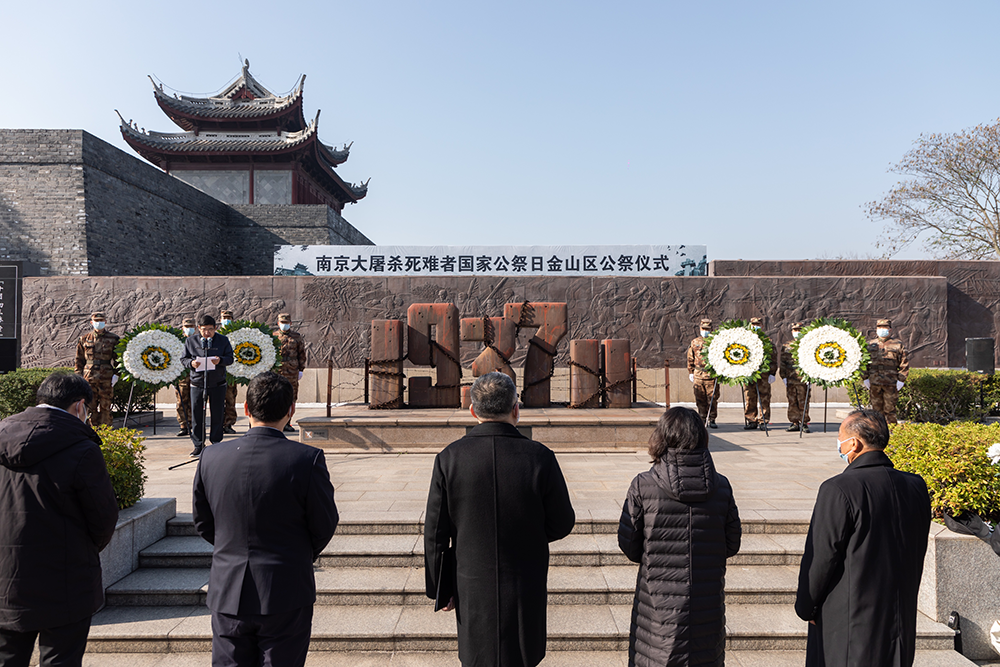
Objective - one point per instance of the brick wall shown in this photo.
(42, 216)
(76, 205)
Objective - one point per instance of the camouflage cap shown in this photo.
(884, 323)
(797, 325)
(706, 323)
(755, 320)
(97, 316)
(188, 322)
(284, 317)
(226, 314)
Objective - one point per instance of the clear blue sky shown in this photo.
(757, 128)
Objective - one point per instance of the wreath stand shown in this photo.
(128, 408)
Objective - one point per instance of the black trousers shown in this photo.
(56, 646)
(217, 401)
(274, 640)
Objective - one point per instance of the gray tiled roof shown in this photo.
(189, 142)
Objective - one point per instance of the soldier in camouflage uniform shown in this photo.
(183, 389)
(95, 355)
(229, 418)
(293, 356)
(760, 389)
(887, 371)
(795, 388)
(706, 388)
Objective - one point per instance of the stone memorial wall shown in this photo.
(658, 315)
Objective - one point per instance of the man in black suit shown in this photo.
(215, 348)
(497, 499)
(266, 503)
(860, 573)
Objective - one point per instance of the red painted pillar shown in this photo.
(433, 337)
(618, 372)
(584, 373)
(386, 367)
(550, 320)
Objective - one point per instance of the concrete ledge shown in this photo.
(961, 573)
(138, 527)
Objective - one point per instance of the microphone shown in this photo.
(204, 343)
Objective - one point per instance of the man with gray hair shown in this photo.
(496, 501)
(864, 554)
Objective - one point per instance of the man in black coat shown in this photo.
(215, 348)
(496, 499)
(864, 555)
(266, 503)
(57, 512)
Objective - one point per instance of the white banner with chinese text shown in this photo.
(614, 260)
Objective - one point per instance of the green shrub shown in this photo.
(945, 396)
(953, 462)
(18, 388)
(124, 455)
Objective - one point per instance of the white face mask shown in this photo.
(226, 323)
(98, 325)
(755, 327)
(188, 331)
(882, 333)
(285, 326)
(842, 455)
(796, 334)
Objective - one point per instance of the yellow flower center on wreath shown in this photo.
(831, 355)
(155, 358)
(737, 354)
(248, 353)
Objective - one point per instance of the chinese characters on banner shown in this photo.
(353, 260)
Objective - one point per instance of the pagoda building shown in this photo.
(246, 145)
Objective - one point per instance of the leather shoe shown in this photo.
(288, 429)
(805, 428)
(712, 424)
(197, 451)
(750, 426)
(793, 427)
(183, 432)
(228, 429)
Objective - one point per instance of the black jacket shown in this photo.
(57, 512)
(266, 503)
(219, 347)
(680, 523)
(860, 572)
(500, 498)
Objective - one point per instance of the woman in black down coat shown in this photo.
(680, 523)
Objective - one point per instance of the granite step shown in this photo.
(614, 585)
(411, 523)
(924, 658)
(417, 628)
(406, 550)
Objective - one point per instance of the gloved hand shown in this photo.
(868, 385)
(899, 385)
(301, 374)
(785, 380)
(691, 377)
(770, 379)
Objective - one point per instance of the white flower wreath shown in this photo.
(154, 356)
(829, 354)
(253, 351)
(736, 352)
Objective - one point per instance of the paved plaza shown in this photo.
(774, 475)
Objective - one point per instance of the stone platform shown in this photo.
(355, 428)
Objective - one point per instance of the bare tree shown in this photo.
(952, 199)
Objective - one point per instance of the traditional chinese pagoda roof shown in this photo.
(244, 123)
(243, 104)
